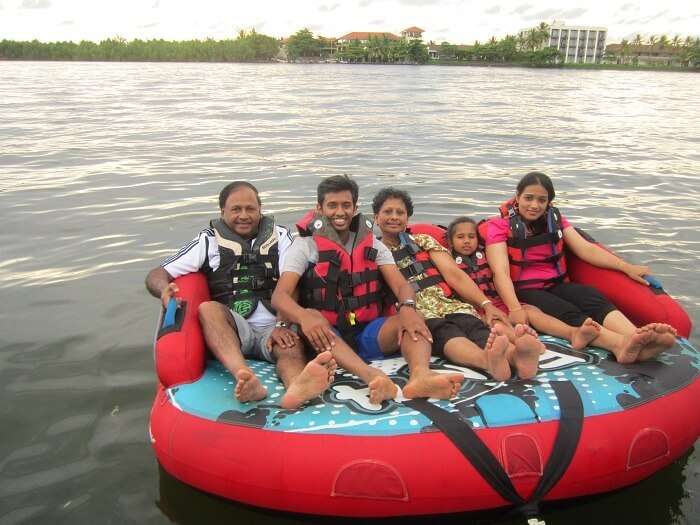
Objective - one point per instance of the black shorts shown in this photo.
(457, 325)
(571, 303)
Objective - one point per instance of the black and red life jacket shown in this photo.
(476, 266)
(421, 272)
(518, 244)
(345, 287)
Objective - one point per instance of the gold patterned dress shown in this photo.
(431, 301)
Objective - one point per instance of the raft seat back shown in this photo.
(641, 304)
(179, 349)
(437, 232)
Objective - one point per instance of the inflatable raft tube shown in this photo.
(584, 425)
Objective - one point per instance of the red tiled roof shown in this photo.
(364, 35)
(413, 29)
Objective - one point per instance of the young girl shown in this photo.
(448, 299)
(525, 250)
(463, 238)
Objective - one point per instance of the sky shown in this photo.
(455, 21)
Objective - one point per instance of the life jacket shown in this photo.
(246, 274)
(421, 272)
(476, 266)
(345, 287)
(518, 244)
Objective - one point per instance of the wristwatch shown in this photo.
(282, 324)
(407, 302)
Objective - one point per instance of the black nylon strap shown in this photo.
(537, 240)
(471, 447)
(422, 284)
(566, 442)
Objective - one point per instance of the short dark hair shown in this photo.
(453, 226)
(235, 186)
(536, 178)
(336, 184)
(392, 193)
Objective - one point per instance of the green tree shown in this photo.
(303, 44)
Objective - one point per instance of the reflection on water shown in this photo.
(105, 169)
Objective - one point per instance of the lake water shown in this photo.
(107, 168)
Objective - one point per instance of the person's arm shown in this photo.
(159, 284)
(465, 287)
(597, 256)
(411, 321)
(313, 325)
(497, 255)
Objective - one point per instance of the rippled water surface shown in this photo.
(107, 168)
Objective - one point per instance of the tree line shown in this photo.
(687, 50)
(248, 46)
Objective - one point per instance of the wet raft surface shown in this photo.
(344, 409)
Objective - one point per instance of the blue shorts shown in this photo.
(364, 339)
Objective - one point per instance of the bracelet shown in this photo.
(282, 324)
(484, 303)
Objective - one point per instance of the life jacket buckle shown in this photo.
(352, 318)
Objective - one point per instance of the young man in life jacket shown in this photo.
(340, 267)
(240, 254)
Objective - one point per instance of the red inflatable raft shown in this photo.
(584, 425)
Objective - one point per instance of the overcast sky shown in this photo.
(457, 21)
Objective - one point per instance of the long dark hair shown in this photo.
(453, 226)
(536, 178)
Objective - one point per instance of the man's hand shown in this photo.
(317, 330)
(167, 293)
(282, 337)
(413, 324)
(493, 314)
(518, 316)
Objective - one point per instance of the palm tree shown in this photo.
(624, 50)
(652, 40)
(663, 41)
(676, 42)
(638, 40)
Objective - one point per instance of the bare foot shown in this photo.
(584, 334)
(632, 345)
(248, 386)
(432, 384)
(381, 388)
(527, 351)
(311, 381)
(663, 337)
(496, 362)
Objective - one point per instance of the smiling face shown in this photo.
(464, 239)
(241, 212)
(532, 202)
(392, 217)
(339, 209)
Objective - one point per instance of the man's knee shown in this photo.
(206, 309)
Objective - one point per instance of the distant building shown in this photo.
(363, 37)
(645, 55)
(413, 33)
(577, 44)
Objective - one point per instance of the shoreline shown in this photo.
(615, 67)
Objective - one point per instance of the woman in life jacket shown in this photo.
(525, 250)
(449, 299)
(463, 238)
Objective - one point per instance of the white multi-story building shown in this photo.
(577, 44)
